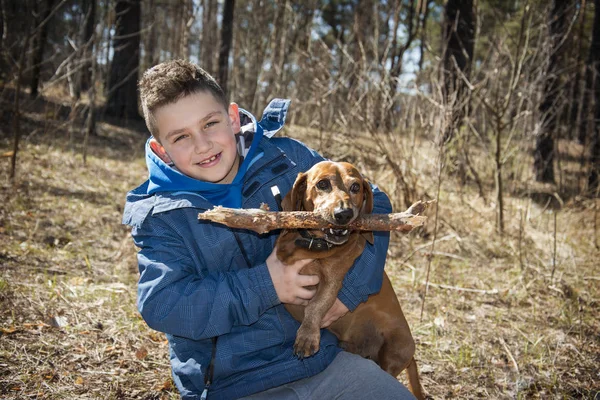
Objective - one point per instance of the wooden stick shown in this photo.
(262, 221)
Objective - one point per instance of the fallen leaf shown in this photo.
(38, 324)
(79, 381)
(50, 376)
(141, 353)
(155, 337)
(167, 385)
(9, 330)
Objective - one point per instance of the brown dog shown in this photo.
(377, 328)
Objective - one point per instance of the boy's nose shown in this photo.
(202, 144)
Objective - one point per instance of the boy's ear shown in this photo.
(234, 117)
(160, 151)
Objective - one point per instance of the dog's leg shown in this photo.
(309, 333)
(397, 352)
(414, 384)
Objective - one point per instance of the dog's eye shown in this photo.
(355, 188)
(323, 185)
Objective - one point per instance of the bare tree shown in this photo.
(398, 49)
(186, 23)
(39, 46)
(278, 46)
(88, 53)
(90, 125)
(362, 50)
(549, 108)
(122, 86)
(594, 65)
(498, 93)
(209, 44)
(423, 40)
(17, 109)
(574, 115)
(459, 37)
(226, 38)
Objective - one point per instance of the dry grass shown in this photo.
(495, 324)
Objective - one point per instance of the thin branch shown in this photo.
(261, 221)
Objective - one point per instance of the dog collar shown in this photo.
(308, 241)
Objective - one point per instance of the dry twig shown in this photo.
(262, 221)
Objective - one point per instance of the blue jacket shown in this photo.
(199, 280)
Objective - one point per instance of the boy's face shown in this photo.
(197, 135)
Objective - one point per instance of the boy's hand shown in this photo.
(289, 284)
(337, 311)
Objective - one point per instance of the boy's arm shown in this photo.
(173, 298)
(366, 275)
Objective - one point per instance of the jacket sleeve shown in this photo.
(173, 298)
(366, 275)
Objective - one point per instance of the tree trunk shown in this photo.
(360, 45)
(151, 22)
(39, 46)
(396, 55)
(122, 87)
(90, 125)
(17, 108)
(423, 33)
(397, 52)
(226, 38)
(278, 39)
(543, 163)
(576, 43)
(186, 24)
(209, 42)
(459, 36)
(88, 53)
(3, 38)
(594, 65)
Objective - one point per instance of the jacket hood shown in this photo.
(165, 178)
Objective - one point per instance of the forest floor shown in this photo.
(496, 324)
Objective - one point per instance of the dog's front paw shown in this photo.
(307, 342)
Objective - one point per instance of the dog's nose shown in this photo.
(343, 215)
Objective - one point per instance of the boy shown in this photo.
(218, 293)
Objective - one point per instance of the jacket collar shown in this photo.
(269, 162)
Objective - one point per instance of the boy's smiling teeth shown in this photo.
(213, 158)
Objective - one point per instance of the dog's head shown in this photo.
(336, 191)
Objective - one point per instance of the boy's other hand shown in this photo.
(289, 283)
(337, 311)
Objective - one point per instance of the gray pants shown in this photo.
(348, 377)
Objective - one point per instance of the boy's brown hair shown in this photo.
(168, 82)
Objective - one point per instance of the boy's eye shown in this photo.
(178, 138)
(210, 124)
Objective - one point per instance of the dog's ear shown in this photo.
(367, 208)
(293, 200)
(368, 235)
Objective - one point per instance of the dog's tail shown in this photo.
(413, 380)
